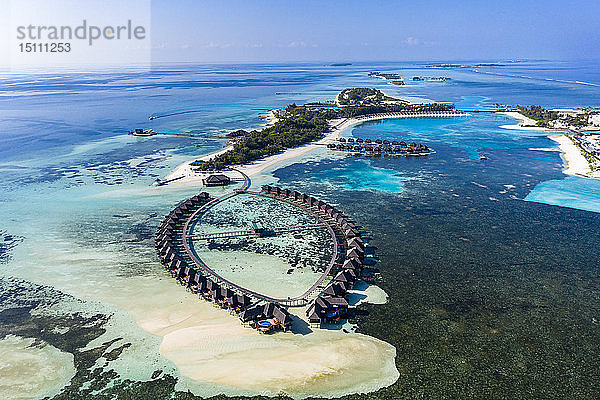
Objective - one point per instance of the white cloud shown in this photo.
(297, 44)
(411, 41)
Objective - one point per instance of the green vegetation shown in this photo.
(538, 113)
(298, 125)
(363, 96)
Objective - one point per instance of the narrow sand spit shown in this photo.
(575, 162)
(525, 123)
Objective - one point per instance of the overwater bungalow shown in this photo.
(340, 147)
(356, 241)
(348, 224)
(216, 180)
(378, 141)
(320, 204)
(335, 289)
(296, 195)
(337, 308)
(222, 295)
(177, 213)
(238, 302)
(189, 279)
(354, 253)
(195, 199)
(413, 144)
(209, 288)
(342, 140)
(350, 233)
(312, 201)
(395, 143)
(326, 309)
(304, 198)
(352, 263)
(276, 190)
(368, 141)
(350, 140)
(181, 273)
(403, 144)
(170, 256)
(198, 284)
(359, 140)
(314, 317)
(355, 244)
(170, 224)
(251, 314)
(326, 207)
(266, 188)
(386, 142)
(286, 192)
(345, 276)
(282, 318)
(172, 265)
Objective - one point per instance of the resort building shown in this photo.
(216, 180)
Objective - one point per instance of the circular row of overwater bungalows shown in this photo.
(379, 146)
(331, 305)
(265, 317)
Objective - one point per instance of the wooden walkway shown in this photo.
(252, 232)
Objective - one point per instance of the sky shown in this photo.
(306, 30)
(224, 31)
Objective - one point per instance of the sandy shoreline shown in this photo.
(525, 123)
(186, 174)
(575, 162)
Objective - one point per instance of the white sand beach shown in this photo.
(525, 123)
(575, 162)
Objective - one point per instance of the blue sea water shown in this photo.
(360, 175)
(473, 134)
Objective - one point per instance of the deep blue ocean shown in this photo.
(491, 267)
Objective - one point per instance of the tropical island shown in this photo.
(297, 125)
(392, 79)
(431, 78)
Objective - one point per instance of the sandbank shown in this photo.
(525, 123)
